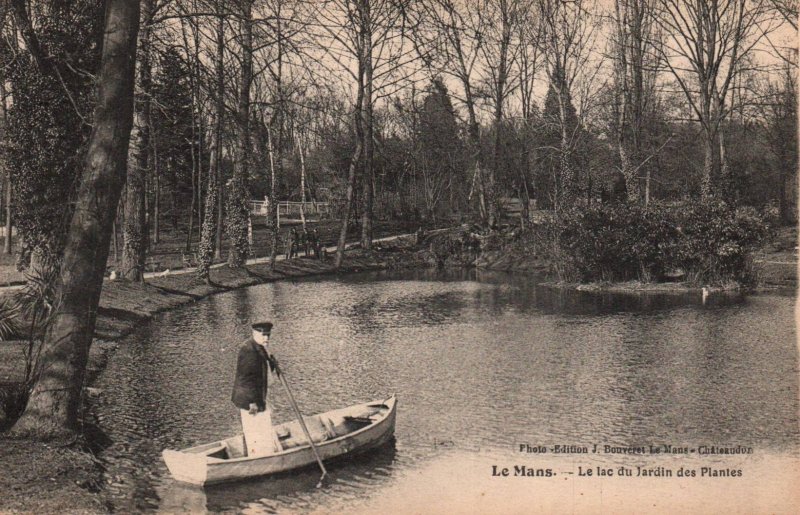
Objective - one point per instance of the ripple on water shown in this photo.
(479, 367)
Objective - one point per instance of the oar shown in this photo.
(282, 377)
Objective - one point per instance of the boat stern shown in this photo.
(187, 467)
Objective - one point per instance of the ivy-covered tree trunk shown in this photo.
(205, 252)
(208, 238)
(135, 232)
(6, 170)
(238, 201)
(54, 403)
(709, 165)
(568, 186)
(273, 203)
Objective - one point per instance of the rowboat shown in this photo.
(335, 434)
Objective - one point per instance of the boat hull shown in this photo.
(199, 466)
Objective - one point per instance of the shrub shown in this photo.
(716, 242)
(710, 241)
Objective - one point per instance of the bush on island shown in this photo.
(710, 242)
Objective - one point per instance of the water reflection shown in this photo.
(480, 362)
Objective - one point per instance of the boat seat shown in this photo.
(361, 420)
(363, 416)
(330, 427)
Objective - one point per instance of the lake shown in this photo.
(492, 372)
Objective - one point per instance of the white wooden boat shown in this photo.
(335, 433)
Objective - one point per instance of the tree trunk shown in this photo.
(205, 251)
(210, 237)
(568, 186)
(220, 109)
(134, 230)
(783, 176)
(500, 92)
(707, 181)
(220, 208)
(491, 192)
(156, 201)
(367, 183)
(725, 173)
(474, 133)
(273, 203)
(54, 403)
(354, 161)
(190, 229)
(302, 186)
(7, 172)
(351, 186)
(237, 219)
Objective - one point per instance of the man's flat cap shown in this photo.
(263, 327)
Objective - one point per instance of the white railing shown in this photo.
(289, 209)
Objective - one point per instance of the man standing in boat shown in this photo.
(250, 392)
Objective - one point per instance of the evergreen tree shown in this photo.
(441, 152)
(172, 130)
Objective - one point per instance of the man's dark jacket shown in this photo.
(250, 384)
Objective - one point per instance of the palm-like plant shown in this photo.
(34, 304)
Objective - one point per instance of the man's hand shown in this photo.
(253, 408)
(273, 363)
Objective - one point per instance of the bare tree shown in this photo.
(787, 12)
(500, 50)
(634, 43)
(369, 36)
(778, 108)
(529, 59)
(707, 47)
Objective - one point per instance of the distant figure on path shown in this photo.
(291, 244)
(419, 235)
(304, 242)
(316, 243)
(250, 392)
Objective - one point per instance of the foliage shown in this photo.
(50, 120)
(35, 302)
(30, 306)
(171, 121)
(710, 242)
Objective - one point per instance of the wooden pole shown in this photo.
(303, 425)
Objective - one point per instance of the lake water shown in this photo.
(483, 364)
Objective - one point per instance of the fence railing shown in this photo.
(289, 209)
